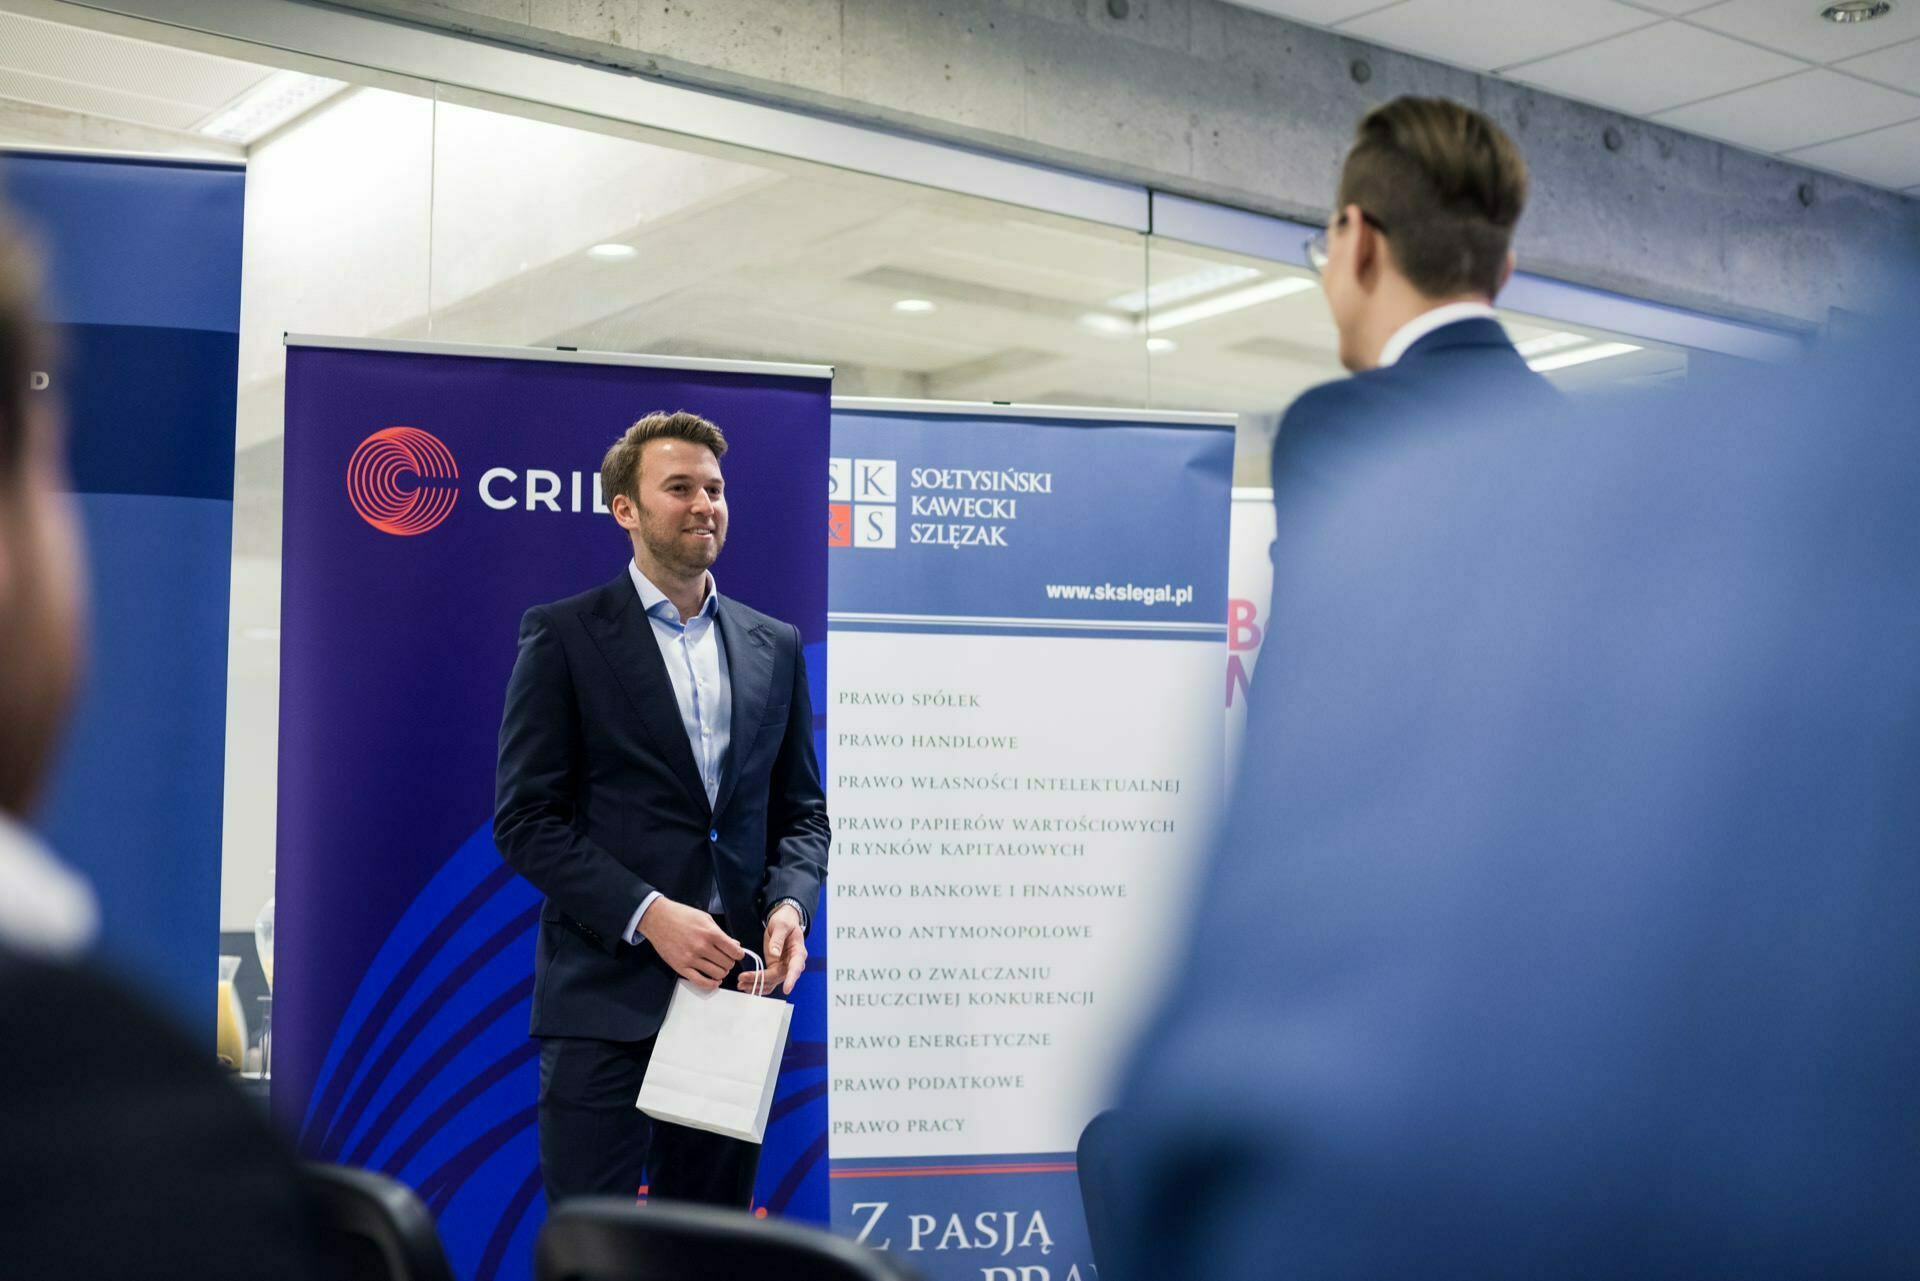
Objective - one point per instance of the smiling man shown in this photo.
(657, 782)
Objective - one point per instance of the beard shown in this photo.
(678, 553)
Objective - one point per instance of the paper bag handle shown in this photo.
(759, 982)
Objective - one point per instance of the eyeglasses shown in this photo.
(1316, 245)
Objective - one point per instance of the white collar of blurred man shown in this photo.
(1427, 322)
(46, 909)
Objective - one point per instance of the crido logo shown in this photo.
(403, 481)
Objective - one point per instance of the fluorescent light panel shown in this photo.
(1549, 342)
(268, 105)
(1567, 359)
(1104, 323)
(1181, 288)
(1238, 300)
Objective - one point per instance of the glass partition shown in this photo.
(384, 206)
(579, 233)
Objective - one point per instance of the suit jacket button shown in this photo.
(714, 835)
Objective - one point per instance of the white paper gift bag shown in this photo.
(716, 1060)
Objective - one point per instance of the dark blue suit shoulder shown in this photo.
(1329, 402)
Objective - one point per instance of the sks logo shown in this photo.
(403, 481)
(862, 499)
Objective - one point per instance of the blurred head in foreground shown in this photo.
(1577, 843)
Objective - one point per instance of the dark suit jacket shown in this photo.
(1577, 829)
(599, 801)
(125, 1152)
(1442, 380)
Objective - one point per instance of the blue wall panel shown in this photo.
(136, 803)
(143, 285)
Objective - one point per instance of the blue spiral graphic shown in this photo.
(432, 1078)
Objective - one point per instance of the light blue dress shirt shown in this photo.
(696, 660)
(697, 666)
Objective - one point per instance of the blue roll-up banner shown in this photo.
(1028, 623)
(143, 286)
(406, 945)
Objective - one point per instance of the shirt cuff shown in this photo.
(796, 907)
(633, 926)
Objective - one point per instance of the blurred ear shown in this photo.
(625, 511)
(1369, 250)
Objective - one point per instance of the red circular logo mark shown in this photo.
(402, 481)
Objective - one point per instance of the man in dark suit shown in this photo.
(124, 1151)
(657, 782)
(1419, 244)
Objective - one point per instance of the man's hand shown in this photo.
(786, 953)
(691, 942)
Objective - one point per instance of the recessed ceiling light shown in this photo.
(914, 306)
(1599, 351)
(1161, 346)
(613, 252)
(1848, 11)
(1239, 299)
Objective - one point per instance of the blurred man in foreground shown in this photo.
(1575, 856)
(123, 1152)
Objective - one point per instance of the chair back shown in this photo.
(380, 1230)
(613, 1239)
(1097, 1157)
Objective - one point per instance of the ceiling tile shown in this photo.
(97, 100)
(1323, 13)
(1656, 67)
(1673, 7)
(1814, 106)
(1897, 65)
(121, 64)
(1485, 34)
(1885, 157)
(1796, 27)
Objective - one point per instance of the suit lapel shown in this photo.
(624, 635)
(750, 673)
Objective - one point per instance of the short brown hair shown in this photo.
(620, 469)
(1448, 186)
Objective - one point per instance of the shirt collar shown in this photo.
(1428, 321)
(655, 601)
(46, 909)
